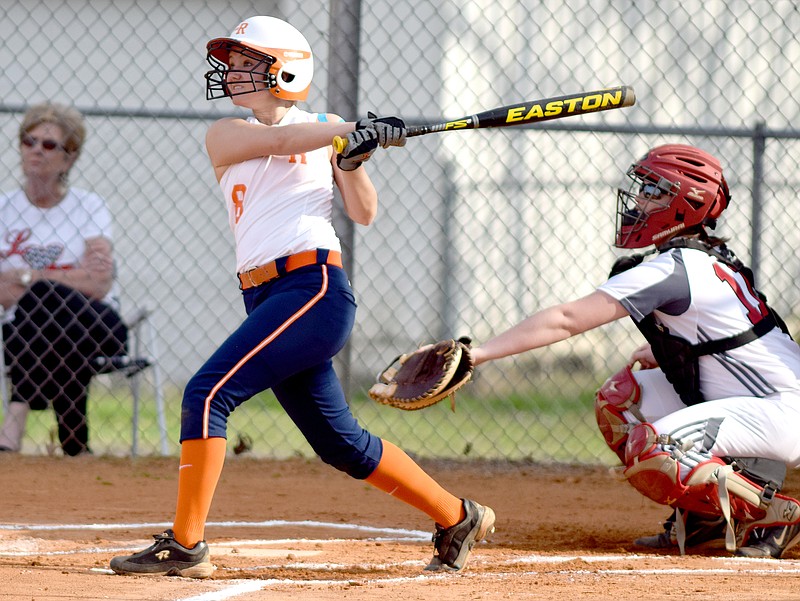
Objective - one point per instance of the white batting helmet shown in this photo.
(272, 42)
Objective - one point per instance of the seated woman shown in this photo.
(56, 281)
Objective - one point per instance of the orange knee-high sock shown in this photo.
(398, 475)
(200, 469)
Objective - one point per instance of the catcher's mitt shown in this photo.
(425, 376)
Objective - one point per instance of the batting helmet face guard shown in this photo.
(276, 57)
(669, 190)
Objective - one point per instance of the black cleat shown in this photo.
(699, 532)
(167, 557)
(771, 542)
(452, 545)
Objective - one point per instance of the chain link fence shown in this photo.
(476, 229)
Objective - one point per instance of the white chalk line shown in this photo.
(773, 565)
(414, 534)
(250, 586)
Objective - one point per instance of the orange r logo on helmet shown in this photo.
(240, 29)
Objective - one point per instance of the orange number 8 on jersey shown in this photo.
(237, 197)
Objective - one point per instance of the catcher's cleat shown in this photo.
(771, 542)
(167, 557)
(699, 532)
(452, 545)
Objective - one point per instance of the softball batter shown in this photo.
(276, 170)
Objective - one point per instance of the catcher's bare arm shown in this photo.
(550, 325)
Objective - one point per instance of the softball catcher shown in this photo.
(709, 423)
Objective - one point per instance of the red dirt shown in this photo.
(562, 533)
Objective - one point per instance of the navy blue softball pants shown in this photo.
(295, 325)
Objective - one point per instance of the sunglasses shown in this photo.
(47, 143)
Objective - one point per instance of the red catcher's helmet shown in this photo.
(673, 187)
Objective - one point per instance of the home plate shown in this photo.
(251, 552)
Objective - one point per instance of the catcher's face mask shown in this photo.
(672, 188)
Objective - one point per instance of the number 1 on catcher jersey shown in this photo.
(756, 308)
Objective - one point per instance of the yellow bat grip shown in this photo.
(339, 144)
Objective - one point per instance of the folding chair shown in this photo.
(130, 365)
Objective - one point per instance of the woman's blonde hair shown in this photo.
(70, 121)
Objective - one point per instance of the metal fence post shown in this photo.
(343, 69)
(759, 146)
(449, 310)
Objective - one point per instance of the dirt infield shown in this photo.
(299, 530)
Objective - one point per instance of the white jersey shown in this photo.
(699, 298)
(280, 205)
(51, 238)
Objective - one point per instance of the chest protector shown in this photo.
(676, 356)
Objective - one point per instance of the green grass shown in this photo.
(529, 428)
(521, 427)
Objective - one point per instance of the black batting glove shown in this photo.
(360, 146)
(391, 130)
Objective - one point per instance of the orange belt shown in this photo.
(283, 265)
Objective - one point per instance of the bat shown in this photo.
(534, 111)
